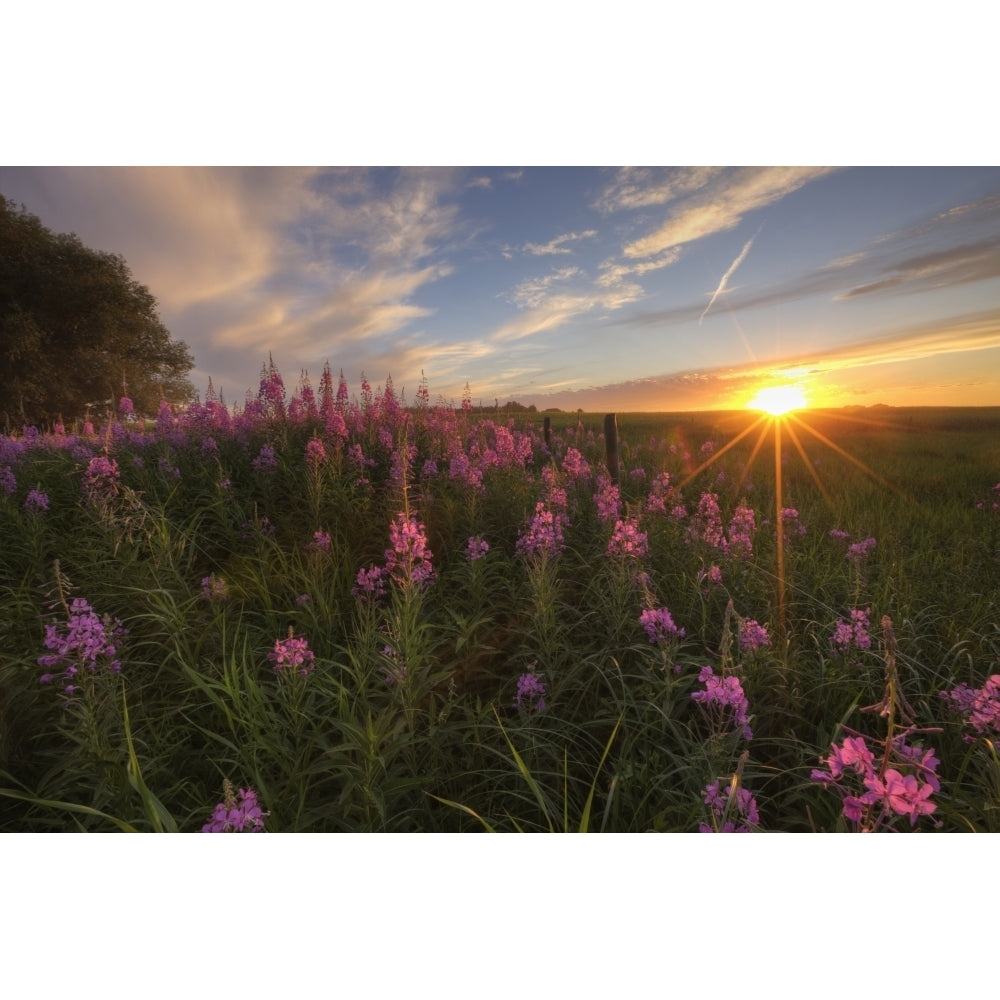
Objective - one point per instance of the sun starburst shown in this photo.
(778, 400)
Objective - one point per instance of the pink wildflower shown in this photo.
(476, 548)
(627, 541)
(291, 653)
(543, 535)
(232, 815)
(725, 702)
(753, 636)
(659, 625)
(409, 559)
(722, 803)
(315, 452)
(530, 693)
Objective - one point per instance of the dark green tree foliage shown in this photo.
(76, 329)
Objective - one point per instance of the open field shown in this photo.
(377, 617)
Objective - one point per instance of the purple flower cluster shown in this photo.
(530, 693)
(315, 453)
(656, 502)
(859, 551)
(706, 523)
(724, 804)
(321, 542)
(873, 798)
(742, 527)
(86, 641)
(627, 541)
(543, 534)
(36, 502)
(100, 479)
(724, 700)
(476, 548)
(853, 633)
(292, 653)
(575, 465)
(369, 583)
(980, 706)
(265, 460)
(233, 814)
(213, 588)
(409, 559)
(659, 626)
(753, 636)
(790, 523)
(608, 500)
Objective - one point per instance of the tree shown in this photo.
(76, 329)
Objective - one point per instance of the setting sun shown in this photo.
(778, 399)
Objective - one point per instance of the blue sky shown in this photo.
(597, 288)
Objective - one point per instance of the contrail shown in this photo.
(725, 278)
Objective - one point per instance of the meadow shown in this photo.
(328, 612)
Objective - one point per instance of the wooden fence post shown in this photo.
(611, 445)
(547, 429)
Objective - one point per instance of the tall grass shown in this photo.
(227, 532)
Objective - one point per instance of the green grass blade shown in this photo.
(72, 807)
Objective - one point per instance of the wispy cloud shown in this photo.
(894, 263)
(614, 272)
(953, 266)
(977, 331)
(721, 203)
(726, 386)
(643, 187)
(549, 304)
(725, 278)
(558, 245)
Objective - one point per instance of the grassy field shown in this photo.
(333, 615)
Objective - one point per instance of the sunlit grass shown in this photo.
(620, 745)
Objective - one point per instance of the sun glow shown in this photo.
(778, 400)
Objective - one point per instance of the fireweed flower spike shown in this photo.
(725, 702)
(36, 501)
(213, 588)
(753, 636)
(544, 533)
(291, 653)
(234, 814)
(530, 693)
(659, 626)
(627, 541)
(85, 642)
(980, 706)
(743, 806)
(873, 799)
(409, 559)
(476, 548)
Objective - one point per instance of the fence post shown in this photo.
(611, 445)
(547, 429)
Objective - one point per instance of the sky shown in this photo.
(624, 288)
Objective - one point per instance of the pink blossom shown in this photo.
(753, 636)
(659, 625)
(476, 548)
(627, 541)
(291, 653)
(409, 559)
